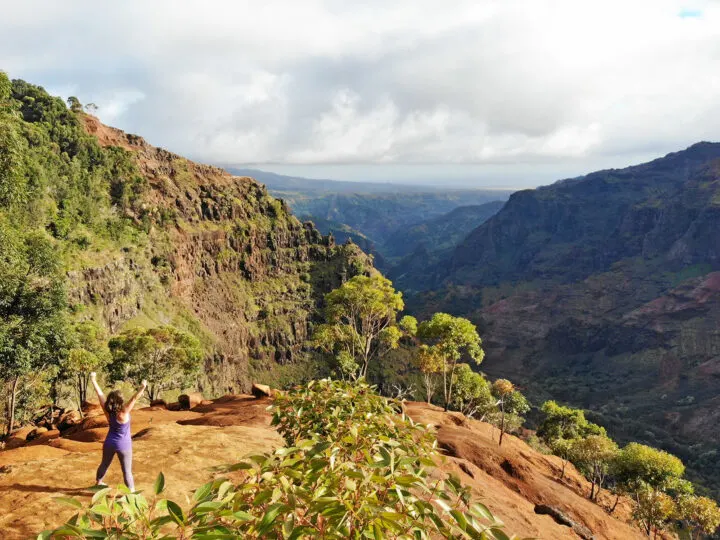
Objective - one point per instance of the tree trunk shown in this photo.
(562, 472)
(449, 392)
(445, 389)
(13, 403)
(617, 498)
(502, 423)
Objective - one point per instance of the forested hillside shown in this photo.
(100, 227)
(603, 291)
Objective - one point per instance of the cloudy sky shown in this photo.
(484, 92)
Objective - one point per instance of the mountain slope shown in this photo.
(147, 237)
(602, 291)
(441, 233)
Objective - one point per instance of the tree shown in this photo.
(451, 338)
(638, 465)
(561, 427)
(653, 510)
(510, 402)
(91, 108)
(472, 395)
(700, 514)
(89, 353)
(594, 455)
(74, 104)
(645, 473)
(360, 323)
(32, 313)
(165, 356)
(430, 364)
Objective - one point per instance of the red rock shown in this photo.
(69, 419)
(188, 401)
(261, 390)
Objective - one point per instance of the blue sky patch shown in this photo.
(690, 14)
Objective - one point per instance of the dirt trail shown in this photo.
(185, 446)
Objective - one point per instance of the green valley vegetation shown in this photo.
(652, 479)
(351, 468)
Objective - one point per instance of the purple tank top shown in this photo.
(118, 438)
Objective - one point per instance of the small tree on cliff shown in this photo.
(449, 338)
(510, 402)
(594, 455)
(164, 355)
(360, 323)
(32, 314)
(430, 364)
(472, 395)
(700, 515)
(562, 426)
(89, 353)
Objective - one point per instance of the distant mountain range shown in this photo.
(388, 220)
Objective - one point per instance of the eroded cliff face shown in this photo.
(220, 257)
(604, 292)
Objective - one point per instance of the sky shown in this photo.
(511, 93)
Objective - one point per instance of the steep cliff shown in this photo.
(148, 237)
(603, 291)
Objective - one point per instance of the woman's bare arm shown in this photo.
(98, 390)
(131, 403)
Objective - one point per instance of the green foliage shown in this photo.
(562, 427)
(701, 515)
(472, 396)
(654, 510)
(409, 325)
(594, 456)
(360, 323)
(352, 468)
(164, 356)
(639, 465)
(89, 353)
(32, 313)
(451, 338)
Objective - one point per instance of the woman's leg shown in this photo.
(107, 458)
(125, 457)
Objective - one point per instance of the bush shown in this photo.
(352, 468)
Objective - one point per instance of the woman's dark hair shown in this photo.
(114, 403)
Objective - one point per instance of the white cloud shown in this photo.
(423, 81)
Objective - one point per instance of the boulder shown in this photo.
(69, 419)
(89, 435)
(91, 409)
(173, 406)
(158, 403)
(35, 433)
(261, 390)
(45, 437)
(18, 437)
(188, 401)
